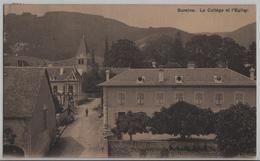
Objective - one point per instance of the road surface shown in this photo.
(82, 138)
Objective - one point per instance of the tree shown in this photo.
(92, 79)
(236, 130)
(178, 54)
(106, 53)
(251, 54)
(183, 119)
(94, 64)
(58, 106)
(131, 123)
(124, 53)
(159, 49)
(207, 51)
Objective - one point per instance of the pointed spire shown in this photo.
(86, 44)
(83, 47)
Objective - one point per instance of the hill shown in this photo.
(244, 35)
(56, 35)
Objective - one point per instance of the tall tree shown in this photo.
(94, 65)
(207, 51)
(177, 54)
(159, 49)
(124, 53)
(106, 53)
(251, 54)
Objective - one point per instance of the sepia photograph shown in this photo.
(147, 81)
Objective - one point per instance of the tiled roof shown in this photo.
(21, 89)
(191, 77)
(68, 73)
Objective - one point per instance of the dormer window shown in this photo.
(140, 79)
(178, 79)
(218, 79)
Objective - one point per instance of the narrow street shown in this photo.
(82, 138)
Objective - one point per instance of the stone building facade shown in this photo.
(148, 90)
(29, 126)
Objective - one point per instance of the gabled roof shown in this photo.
(191, 77)
(69, 72)
(21, 89)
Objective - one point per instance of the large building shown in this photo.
(148, 90)
(29, 124)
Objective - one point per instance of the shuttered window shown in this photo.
(140, 98)
(159, 98)
(239, 98)
(219, 98)
(198, 98)
(121, 98)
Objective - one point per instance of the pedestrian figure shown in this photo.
(86, 112)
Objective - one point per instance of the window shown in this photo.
(119, 116)
(178, 79)
(239, 98)
(179, 96)
(219, 98)
(159, 98)
(55, 89)
(198, 98)
(121, 98)
(140, 79)
(81, 61)
(140, 98)
(218, 79)
(70, 89)
(45, 111)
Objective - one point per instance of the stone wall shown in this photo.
(162, 149)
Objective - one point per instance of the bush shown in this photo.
(183, 119)
(236, 130)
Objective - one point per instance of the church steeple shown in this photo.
(83, 47)
(82, 56)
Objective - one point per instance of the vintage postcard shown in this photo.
(129, 81)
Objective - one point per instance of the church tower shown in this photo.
(82, 56)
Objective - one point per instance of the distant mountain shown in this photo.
(244, 35)
(56, 35)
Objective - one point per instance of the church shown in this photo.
(67, 80)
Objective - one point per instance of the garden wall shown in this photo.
(154, 149)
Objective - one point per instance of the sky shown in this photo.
(190, 18)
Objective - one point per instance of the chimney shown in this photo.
(107, 75)
(61, 70)
(191, 65)
(161, 75)
(252, 73)
(154, 64)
